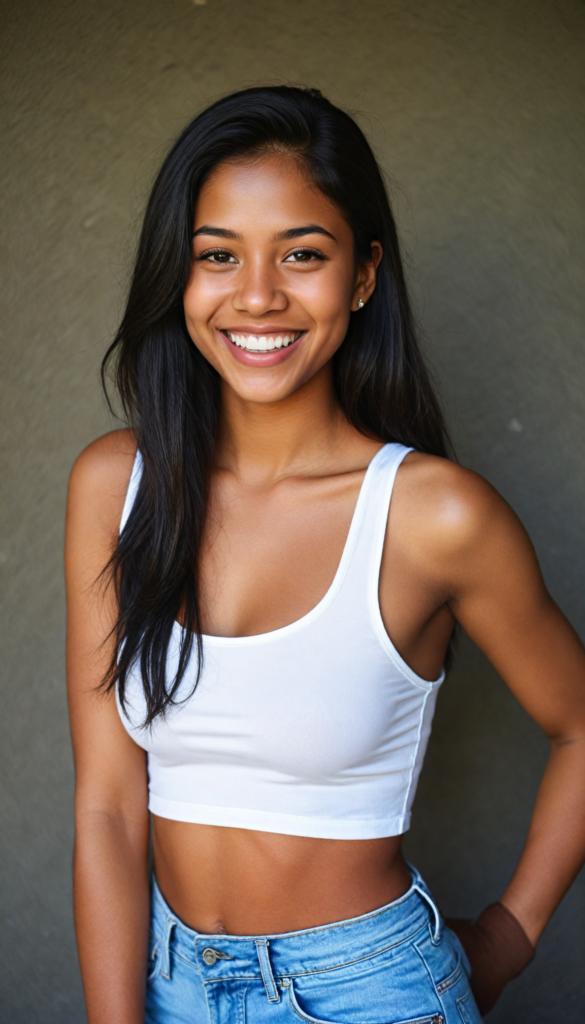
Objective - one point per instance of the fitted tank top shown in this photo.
(318, 728)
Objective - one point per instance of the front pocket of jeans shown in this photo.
(301, 1014)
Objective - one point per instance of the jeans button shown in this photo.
(210, 956)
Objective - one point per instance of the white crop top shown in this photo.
(315, 729)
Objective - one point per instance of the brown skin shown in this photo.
(287, 458)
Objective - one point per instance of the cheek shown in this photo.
(200, 301)
(195, 321)
(196, 298)
(327, 297)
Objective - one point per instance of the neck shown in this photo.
(263, 441)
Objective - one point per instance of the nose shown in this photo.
(259, 290)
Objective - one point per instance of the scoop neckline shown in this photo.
(319, 608)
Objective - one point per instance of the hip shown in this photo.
(398, 964)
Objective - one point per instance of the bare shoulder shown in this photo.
(99, 479)
(448, 512)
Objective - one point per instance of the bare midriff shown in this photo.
(242, 882)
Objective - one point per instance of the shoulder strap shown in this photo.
(132, 491)
(366, 554)
(380, 506)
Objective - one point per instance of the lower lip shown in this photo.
(277, 355)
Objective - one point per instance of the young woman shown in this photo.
(264, 572)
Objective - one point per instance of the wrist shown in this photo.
(497, 948)
(511, 945)
(526, 915)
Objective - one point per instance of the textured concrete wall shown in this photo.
(476, 109)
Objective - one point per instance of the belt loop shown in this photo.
(165, 953)
(422, 891)
(266, 970)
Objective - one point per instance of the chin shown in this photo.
(263, 395)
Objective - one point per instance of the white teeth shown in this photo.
(261, 342)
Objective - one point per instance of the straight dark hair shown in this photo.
(170, 394)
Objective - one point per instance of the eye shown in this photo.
(220, 257)
(304, 256)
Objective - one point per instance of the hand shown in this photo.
(497, 948)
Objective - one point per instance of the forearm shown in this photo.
(500, 944)
(555, 847)
(112, 915)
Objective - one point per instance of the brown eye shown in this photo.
(217, 256)
(304, 256)
(221, 257)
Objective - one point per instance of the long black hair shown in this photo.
(170, 393)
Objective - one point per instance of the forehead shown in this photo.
(269, 190)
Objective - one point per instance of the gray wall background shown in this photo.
(476, 110)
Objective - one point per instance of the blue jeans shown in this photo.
(395, 965)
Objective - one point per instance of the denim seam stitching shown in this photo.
(266, 970)
(151, 975)
(189, 963)
(319, 970)
(427, 1019)
(452, 979)
(166, 948)
(328, 928)
(432, 980)
(461, 1007)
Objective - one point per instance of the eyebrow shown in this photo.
(207, 229)
(308, 229)
(281, 236)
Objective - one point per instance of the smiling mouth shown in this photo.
(263, 342)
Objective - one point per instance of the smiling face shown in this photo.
(274, 277)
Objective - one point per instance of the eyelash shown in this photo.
(306, 250)
(213, 252)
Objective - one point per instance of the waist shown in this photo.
(295, 953)
(246, 882)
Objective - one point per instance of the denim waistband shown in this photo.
(292, 954)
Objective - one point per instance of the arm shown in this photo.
(479, 563)
(112, 826)
(501, 601)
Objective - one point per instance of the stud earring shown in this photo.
(360, 303)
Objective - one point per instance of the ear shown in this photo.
(365, 280)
